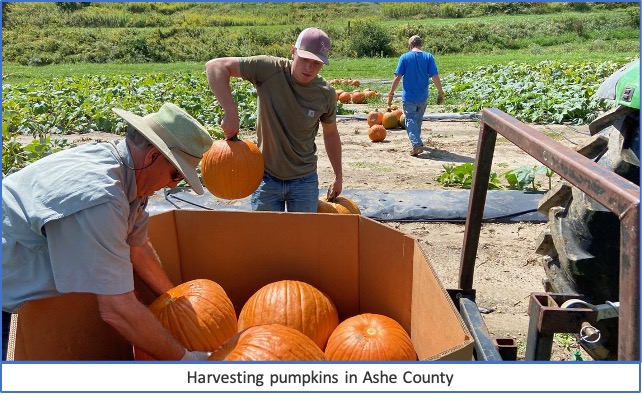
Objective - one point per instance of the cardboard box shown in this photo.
(362, 265)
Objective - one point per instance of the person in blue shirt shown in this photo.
(416, 67)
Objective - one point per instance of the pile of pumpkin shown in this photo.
(286, 320)
(379, 122)
(356, 96)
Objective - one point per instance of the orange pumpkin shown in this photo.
(377, 133)
(337, 205)
(358, 97)
(375, 118)
(402, 121)
(232, 169)
(370, 337)
(198, 313)
(345, 97)
(296, 304)
(271, 342)
(390, 119)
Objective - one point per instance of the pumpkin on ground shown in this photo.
(402, 121)
(198, 313)
(377, 133)
(232, 169)
(390, 119)
(296, 304)
(345, 97)
(375, 118)
(271, 342)
(337, 205)
(370, 337)
(339, 91)
(358, 97)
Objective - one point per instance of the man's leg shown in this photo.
(270, 195)
(303, 194)
(414, 113)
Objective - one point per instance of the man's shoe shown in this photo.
(416, 150)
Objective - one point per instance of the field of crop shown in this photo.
(65, 65)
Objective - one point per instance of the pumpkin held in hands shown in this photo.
(296, 304)
(370, 337)
(198, 313)
(232, 169)
(271, 342)
(337, 205)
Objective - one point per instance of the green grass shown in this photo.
(357, 68)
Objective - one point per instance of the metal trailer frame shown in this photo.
(614, 192)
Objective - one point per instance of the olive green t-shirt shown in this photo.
(288, 115)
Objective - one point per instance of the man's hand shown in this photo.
(440, 98)
(390, 96)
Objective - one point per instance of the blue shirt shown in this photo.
(68, 221)
(416, 67)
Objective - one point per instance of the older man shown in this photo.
(75, 221)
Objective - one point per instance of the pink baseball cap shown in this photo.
(313, 43)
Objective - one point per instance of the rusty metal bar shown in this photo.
(629, 315)
(609, 189)
(483, 163)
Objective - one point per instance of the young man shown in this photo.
(416, 67)
(75, 221)
(293, 100)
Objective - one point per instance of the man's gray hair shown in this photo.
(415, 41)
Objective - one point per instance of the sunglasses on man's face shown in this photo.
(177, 176)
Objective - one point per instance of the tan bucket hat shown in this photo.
(178, 135)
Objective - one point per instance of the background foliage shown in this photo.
(133, 32)
(64, 63)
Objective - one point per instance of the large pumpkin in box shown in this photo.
(232, 169)
(296, 304)
(271, 342)
(198, 313)
(370, 337)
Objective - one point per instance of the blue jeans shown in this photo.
(300, 195)
(414, 116)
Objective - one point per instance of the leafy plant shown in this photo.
(15, 156)
(549, 92)
(523, 178)
(462, 176)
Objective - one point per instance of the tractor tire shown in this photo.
(581, 242)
